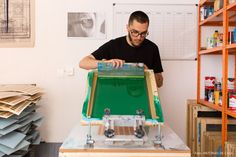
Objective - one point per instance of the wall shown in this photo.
(54, 54)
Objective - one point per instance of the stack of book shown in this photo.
(18, 119)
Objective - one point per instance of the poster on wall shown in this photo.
(17, 23)
(173, 27)
(86, 25)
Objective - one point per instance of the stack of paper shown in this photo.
(18, 119)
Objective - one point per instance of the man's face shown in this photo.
(137, 32)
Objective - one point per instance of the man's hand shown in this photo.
(116, 63)
(145, 67)
(159, 79)
(90, 62)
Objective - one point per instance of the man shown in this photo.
(131, 48)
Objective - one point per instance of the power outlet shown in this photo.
(69, 71)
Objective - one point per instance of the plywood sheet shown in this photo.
(14, 100)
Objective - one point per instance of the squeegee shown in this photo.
(127, 70)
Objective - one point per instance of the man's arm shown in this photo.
(90, 62)
(159, 79)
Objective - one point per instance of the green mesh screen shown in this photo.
(123, 96)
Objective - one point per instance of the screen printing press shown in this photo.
(122, 114)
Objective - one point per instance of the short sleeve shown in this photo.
(103, 52)
(157, 65)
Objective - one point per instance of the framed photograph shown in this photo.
(17, 26)
(86, 25)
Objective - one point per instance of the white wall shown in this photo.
(54, 52)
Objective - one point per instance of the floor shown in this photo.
(44, 150)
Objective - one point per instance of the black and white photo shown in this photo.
(86, 24)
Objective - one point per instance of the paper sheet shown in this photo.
(6, 122)
(14, 100)
(36, 116)
(17, 109)
(26, 112)
(23, 88)
(4, 94)
(38, 122)
(9, 151)
(5, 114)
(37, 140)
(12, 139)
(9, 129)
(1, 154)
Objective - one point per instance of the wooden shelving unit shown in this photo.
(211, 105)
(231, 113)
(214, 50)
(213, 20)
(224, 18)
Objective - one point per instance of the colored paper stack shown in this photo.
(18, 119)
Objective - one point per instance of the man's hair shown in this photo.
(139, 16)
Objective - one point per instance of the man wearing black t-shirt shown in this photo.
(133, 48)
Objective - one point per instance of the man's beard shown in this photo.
(131, 41)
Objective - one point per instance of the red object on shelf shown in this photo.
(232, 101)
(210, 82)
(209, 88)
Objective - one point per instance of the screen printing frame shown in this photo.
(152, 93)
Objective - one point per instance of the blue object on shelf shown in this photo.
(219, 151)
(234, 35)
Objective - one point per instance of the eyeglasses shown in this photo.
(135, 33)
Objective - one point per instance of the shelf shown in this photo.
(210, 104)
(225, 18)
(231, 46)
(215, 50)
(232, 16)
(231, 113)
(218, 50)
(231, 7)
(206, 2)
(213, 20)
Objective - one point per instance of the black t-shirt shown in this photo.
(147, 53)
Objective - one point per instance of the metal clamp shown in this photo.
(89, 141)
(158, 141)
(109, 127)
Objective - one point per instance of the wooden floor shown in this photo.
(44, 150)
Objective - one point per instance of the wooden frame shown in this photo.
(212, 142)
(230, 149)
(201, 124)
(91, 99)
(193, 110)
(151, 88)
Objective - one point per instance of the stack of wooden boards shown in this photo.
(204, 131)
(230, 148)
(18, 119)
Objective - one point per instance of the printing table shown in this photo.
(74, 145)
